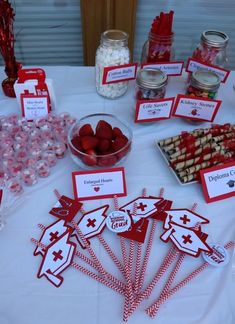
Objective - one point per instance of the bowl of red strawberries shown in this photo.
(99, 141)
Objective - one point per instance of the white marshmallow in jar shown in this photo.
(113, 51)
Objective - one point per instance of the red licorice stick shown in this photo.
(88, 272)
(148, 248)
(185, 281)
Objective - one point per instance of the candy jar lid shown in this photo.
(151, 78)
(114, 37)
(215, 38)
(208, 80)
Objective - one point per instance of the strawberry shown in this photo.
(107, 161)
(90, 159)
(117, 132)
(76, 141)
(86, 130)
(104, 130)
(119, 143)
(89, 142)
(103, 145)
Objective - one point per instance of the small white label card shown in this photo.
(196, 108)
(97, 184)
(218, 182)
(153, 110)
(194, 65)
(119, 73)
(170, 68)
(34, 106)
(218, 257)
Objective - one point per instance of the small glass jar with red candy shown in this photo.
(203, 84)
(212, 48)
(150, 84)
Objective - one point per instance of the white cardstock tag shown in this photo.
(218, 182)
(99, 184)
(153, 110)
(119, 73)
(196, 108)
(218, 257)
(34, 106)
(171, 68)
(194, 65)
(118, 221)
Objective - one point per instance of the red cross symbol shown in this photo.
(54, 236)
(187, 239)
(141, 206)
(185, 219)
(57, 255)
(91, 222)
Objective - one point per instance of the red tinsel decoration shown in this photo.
(7, 46)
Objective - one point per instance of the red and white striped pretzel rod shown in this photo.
(149, 247)
(172, 275)
(184, 282)
(138, 256)
(94, 257)
(88, 272)
(160, 272)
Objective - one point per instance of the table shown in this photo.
(24, 299)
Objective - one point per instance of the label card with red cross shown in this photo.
(196, 108)
(119, 73)
(194, 65)
(169, 68)
(99, 184)
(153, 110)
(92, 223)
(218, 182)
(186, 240)
(51, 234)
(58, 257)
(34, 106)
(184, 217)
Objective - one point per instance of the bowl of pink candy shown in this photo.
(99, 141)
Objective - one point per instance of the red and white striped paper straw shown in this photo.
(183, 283)
(148, 248)
(138, 257)
(160, 272)
(150, 310)
(88, 272)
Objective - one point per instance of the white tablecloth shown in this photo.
(24, 299)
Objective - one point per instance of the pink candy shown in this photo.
(29, 149)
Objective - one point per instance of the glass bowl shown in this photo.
(99, 141)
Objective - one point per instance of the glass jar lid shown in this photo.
(215, 38)
(149, 78)
(114, 37)
(206, 80)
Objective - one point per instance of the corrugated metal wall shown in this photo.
(48, 32)
(190, 19)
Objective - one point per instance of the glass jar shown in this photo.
(203, 84)
(113, 51)
(150, 84)
(158, 49)
(212, 48)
